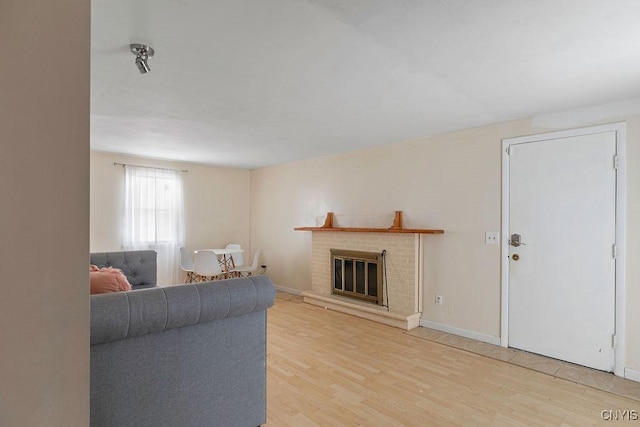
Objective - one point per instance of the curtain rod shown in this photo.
(149, 167)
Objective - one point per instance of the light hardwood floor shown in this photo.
(330, 369)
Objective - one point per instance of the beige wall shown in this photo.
(44, 220)
(216, 205)
(450, 181)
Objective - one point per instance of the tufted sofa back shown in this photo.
(190, 355)
(140, 267)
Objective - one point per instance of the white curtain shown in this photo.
(154, 217)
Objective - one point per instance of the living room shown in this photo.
(465, 164)
(450, 181)
(457, 175)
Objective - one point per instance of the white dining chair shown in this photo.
(248, 270)
(237, 258)
(186, 264)
(206, 266)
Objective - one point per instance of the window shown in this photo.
(154, 216)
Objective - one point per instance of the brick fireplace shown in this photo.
(402, 290)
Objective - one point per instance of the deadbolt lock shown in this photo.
(515, 257)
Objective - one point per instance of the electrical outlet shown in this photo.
(439, 300)
(491, 237)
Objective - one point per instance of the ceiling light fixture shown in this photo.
(142, 53)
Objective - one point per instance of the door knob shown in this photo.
(516, 240)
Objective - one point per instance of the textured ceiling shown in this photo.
(255, 83)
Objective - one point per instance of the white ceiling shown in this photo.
(251, 83)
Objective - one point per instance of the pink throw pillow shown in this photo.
(104, 280)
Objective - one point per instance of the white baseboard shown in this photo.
(632, 374)
(288, 290)
(461, 332)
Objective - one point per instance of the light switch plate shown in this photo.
(492, 238)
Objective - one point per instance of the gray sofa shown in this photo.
(187, 355)
(140, 267)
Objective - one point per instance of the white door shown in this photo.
(562, 203)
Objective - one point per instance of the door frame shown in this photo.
(621, 196)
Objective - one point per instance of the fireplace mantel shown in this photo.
(371, 230)
(395, 228)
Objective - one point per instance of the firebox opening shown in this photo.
(357, 274)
